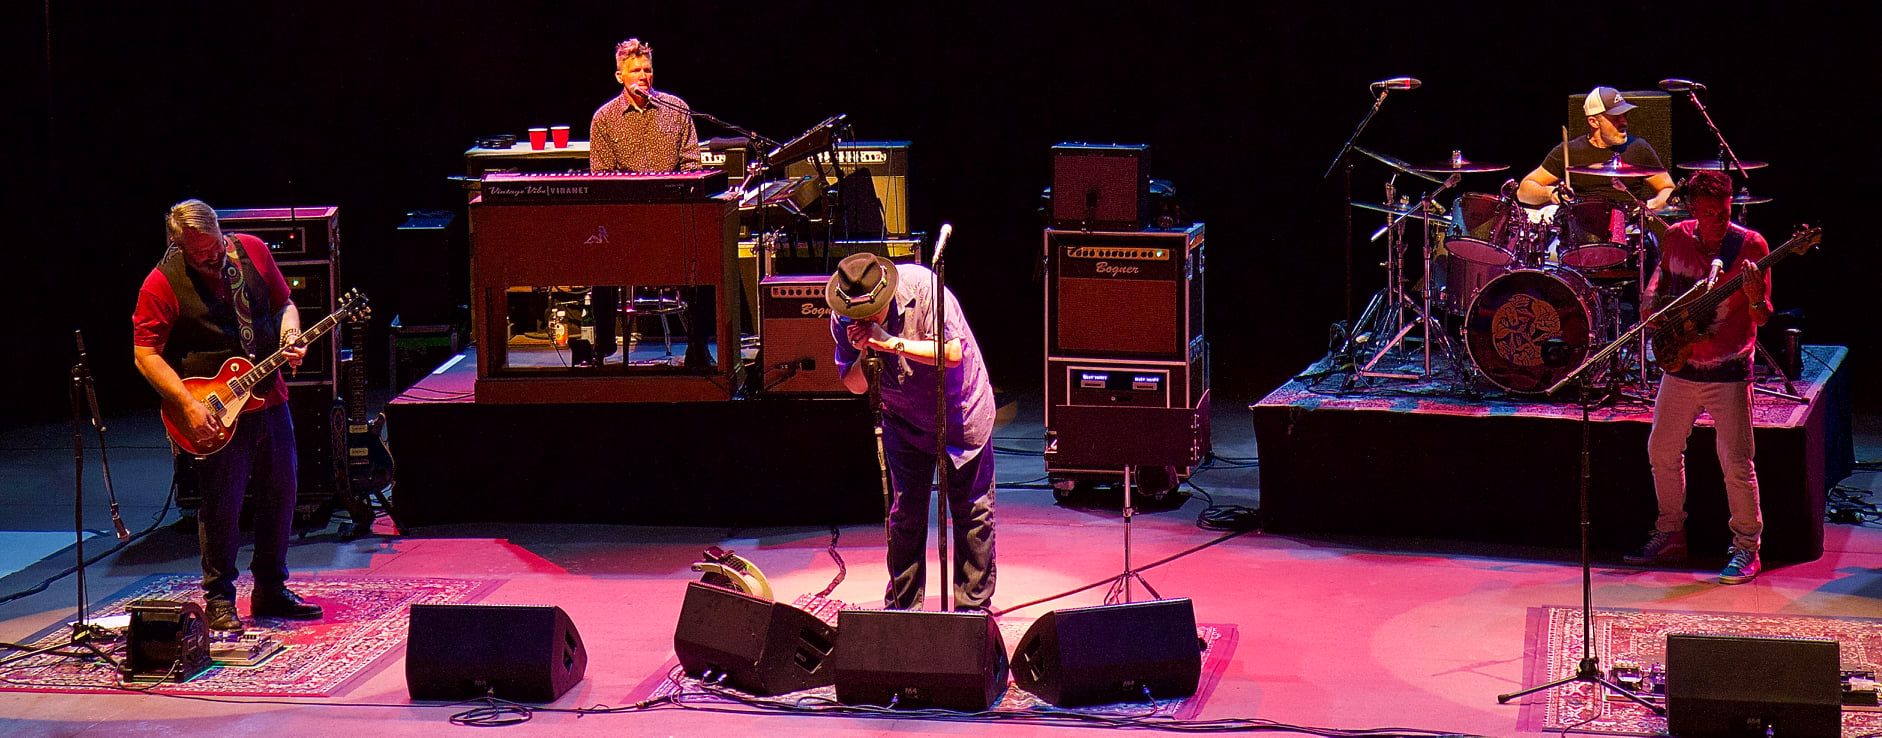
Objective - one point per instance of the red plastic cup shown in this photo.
(560, 135)
(538, 137)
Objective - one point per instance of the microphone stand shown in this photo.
(942, 460)
(1589, 668)
(82, 396)
(1347, 190)
(872, 370)
(1726, 155)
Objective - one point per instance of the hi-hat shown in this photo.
(1616, 168)
(1719, 166)
(1457, 164)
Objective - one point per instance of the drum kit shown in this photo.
(1512, 295)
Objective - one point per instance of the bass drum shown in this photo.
(1530, 328)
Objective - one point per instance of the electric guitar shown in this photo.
(225, 394)
(368, 462)
(1683, 326)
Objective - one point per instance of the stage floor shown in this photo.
(1347, 632)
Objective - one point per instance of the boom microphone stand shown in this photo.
(82, 395)
(942, 461)
(1589, 668)
(1380, 89)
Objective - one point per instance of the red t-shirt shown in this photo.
(157, 307)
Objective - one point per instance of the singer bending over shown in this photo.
(210, 298)
(1716, 379)
(1607, 138)
(879, 307)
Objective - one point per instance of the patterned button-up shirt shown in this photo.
(624, 137)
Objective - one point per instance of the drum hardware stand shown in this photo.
(85, 636)
(1790, 390)
(1395, 288)
(1378, 101)
(1589, 668)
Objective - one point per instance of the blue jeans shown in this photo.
(259, 458)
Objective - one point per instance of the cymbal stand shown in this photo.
(1395, 319)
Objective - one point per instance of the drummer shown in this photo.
(1607, 138)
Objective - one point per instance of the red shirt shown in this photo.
(1726, 354)
(157, 306)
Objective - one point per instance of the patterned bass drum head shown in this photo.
(1530, 328)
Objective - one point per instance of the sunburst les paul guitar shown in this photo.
(1685, 324)
(225, 394)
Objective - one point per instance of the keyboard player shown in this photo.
(640, 130)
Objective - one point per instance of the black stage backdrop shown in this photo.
(128, 107)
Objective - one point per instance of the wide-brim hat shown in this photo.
(862, 286)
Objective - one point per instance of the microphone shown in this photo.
(1712, 279)
(1676, 85)
(91, 392)
(941, 242)
(1397, 83)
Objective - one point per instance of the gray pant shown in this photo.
(970, 512)
(1674, 410)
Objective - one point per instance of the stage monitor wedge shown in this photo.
(1111, 653)
(525, 653)
(917, 659)
(759, 646)
(1731, 686)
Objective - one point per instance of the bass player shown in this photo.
(1715, 376)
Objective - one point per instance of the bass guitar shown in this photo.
(1685, 324)
(225, 394)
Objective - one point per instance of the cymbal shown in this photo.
(1396, 163)
(1719, 166)
(1616, 168)
(1402, 210)
(1746, 198)
(1461, 165)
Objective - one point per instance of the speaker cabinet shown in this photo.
(1651, 119)
(797, 352)
(1113, 653)
(1127, 363)
(1718, 686)
(526, 653)
(762, 647)
(911, 658)
(1124, 295)
(1100, 187)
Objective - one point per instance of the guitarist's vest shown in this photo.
(1681, 274)
(206, 331)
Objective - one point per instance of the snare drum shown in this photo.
(1529, 328)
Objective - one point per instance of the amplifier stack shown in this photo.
(305, 243)
(1127, 359)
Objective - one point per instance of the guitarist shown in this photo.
(1716, 378)
(210, 298)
